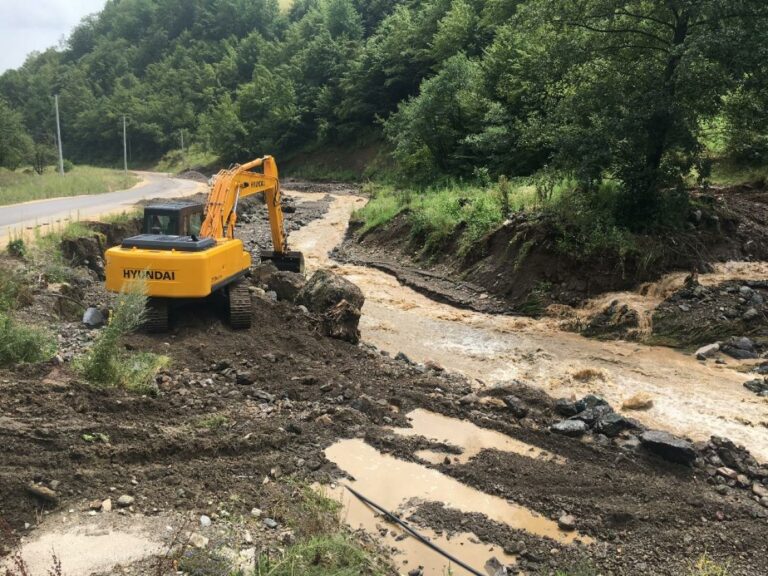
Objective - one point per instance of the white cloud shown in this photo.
(37, 25)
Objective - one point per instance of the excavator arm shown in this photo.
(238, 183)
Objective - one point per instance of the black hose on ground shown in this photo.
(405, 526)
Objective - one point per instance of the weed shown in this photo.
(17, 248)
(588, 375)
(326, 555)
(105, 365)
(704, 566)
(213, 422)
(23, 344)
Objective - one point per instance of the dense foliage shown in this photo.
(592, 89)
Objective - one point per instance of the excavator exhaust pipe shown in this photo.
(287, 261)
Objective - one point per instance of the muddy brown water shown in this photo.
(399, 486)
(689, 398)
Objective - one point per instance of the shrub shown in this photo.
(106, 365)
(20, 343)
(17, 248)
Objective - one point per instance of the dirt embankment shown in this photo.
(520, 268)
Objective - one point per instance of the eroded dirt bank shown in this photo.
(242, 418)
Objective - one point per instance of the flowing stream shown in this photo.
(690, 398)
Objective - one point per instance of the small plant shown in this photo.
(213, 422)
(704, 566)
(17, 248)
(23, 344)
(504, 189)
(106, 365)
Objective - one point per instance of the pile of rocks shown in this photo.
(732, 467)
(591, 413)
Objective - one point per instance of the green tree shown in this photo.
(16, 145)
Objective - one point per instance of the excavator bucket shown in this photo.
(288, 261)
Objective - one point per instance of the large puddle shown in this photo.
(398, 485)
(470, 439)
(689, 398)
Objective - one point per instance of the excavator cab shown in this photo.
(173, 219)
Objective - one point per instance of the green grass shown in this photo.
(436, 214)
(23, 186)
(20, 343)
(326, 555)
(193, 158)
(728, 174)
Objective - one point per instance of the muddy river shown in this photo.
(689, 397)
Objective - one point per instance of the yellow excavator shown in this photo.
(189, 251)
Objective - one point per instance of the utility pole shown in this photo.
(125, 149)
(182, 142)
(58, 136)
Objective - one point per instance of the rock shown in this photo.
(566, 522)
(43, 493)
(256, 512)
(708, 351)
(93, 318)
(325, 290)
(106, 505)
(66, 300)
(757, 386)
(341, 322)
(726, 472)
(759, 490)
(745, 291)
(669, 447)
(270, 523)
(245, 378)
(495, 568)
(286, 285)
(614, 424)
(742, 343)
(571, 428)
(198, 540)
(750, 314)
(95, 505)
(469, 399)
(516, 406)
(401, 357)
(262, 272)
(738, 353)
(593, 414)
(205, 521)
(566, 408)
(124, 501)
(416, 572)
(434, 366)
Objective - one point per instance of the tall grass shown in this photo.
(193, 158)
(24, 186)
(106, 364)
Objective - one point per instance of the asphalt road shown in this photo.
(18, 220)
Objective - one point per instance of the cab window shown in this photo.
(161, 224)
(195, 223)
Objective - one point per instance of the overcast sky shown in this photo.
(27, 25)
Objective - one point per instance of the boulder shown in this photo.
(668, 446)
(708, 351)
(571, 428)
(614, 424)
(591, 415)
(93, 318)
(342, 321)
(286, 285)
(758, 386)
(516, 406)
(262, 272)
(325, 290)
(565, 407)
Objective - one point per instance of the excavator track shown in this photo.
(156, 315)
(239, 305)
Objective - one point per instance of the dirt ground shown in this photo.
(241, 418)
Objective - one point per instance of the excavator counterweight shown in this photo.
(189, 251)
